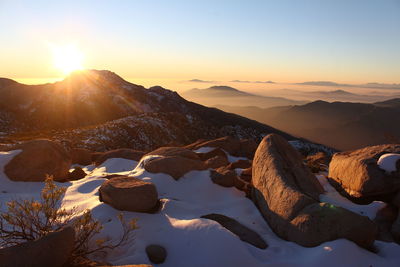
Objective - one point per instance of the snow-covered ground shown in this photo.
(192, 241)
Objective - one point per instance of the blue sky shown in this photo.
(343, 41)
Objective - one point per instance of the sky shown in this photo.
(346, 41)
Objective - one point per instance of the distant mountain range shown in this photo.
(333, 95)
(99, 110)
(226, 95)
(341, 125)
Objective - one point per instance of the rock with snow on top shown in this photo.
(357, 173)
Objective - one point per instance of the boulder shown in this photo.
(318, 162)
(76, 174)
(216, 162)
(129, 194)
(37, 159)
(240, 164)
(242, 185)
(223, 177)
(357, 175)
(246, 174)
(53, 250)
(235, 147)
(156, 253)
(174, 152)
(247, 148)
(287, 194)
(213, 153)
(125, 153)
(384, 220)
(81, 156)
(175, 161)
(244, 233)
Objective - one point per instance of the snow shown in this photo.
(333, 197)
(387, 162)
(189, 239)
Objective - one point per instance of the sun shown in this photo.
(67, 58)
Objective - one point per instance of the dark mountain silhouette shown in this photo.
(341, 125)
(226, 95)
(100, 110)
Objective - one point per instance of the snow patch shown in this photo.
(333, 197)
(387, 162)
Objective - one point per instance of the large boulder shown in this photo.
(287, 194)
(175, 161)
(244, 233)
(37, 159)
(357, 175)
(129, 194)
(53, 250)
(125, 153)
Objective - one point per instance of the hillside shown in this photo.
(100, 110)
(341, 125)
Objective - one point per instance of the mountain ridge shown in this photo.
(101, 110)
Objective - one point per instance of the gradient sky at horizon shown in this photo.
(352, 41)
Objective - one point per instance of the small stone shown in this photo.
(156, 253)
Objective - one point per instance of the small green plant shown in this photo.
(28, 220)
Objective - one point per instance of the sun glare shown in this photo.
(67, 58)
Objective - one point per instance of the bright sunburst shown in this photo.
(67, 58)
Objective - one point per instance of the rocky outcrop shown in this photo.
(287, 194)
(235, 147)
(216, 162)
(223, 177)
(50, 250)
(37, 159)
(174, 152)
(240, 164)
(174, 161)
(356, 174)
(81, 156)
(244, 233)
(124, 153)
(318, 162)
(213, 153)
(156, 253)
(129, 194)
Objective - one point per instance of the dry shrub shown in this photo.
(28, 220)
